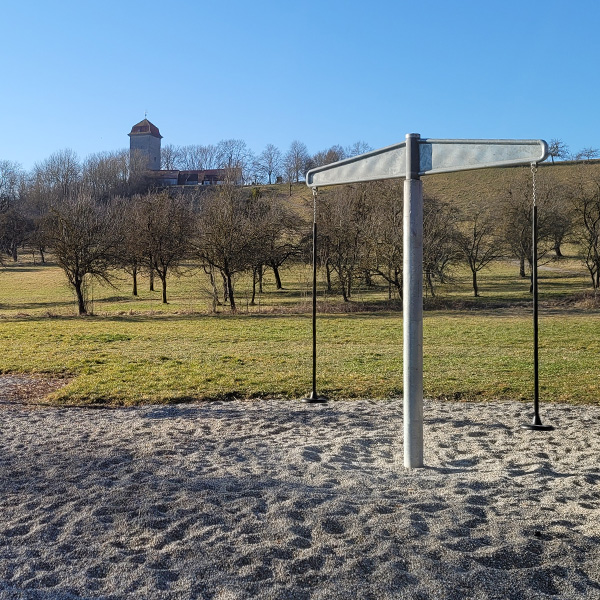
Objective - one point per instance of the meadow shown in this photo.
(134, 351)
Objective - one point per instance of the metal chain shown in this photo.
(533, 172)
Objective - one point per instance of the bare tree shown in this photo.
(587, 209)
(558, 149)
(325, 157)
(344, 215)
(296, 160)
(385, 234)
(236, 158)
(85, 241)
(439, 234)
(169, 157)
(357, 148)
(106, 174)
(516, 219)
(269, 162)
(587, 154)
(166, 233)
(59, 175)
(278, 230)
(133, 252)
(229, 234)
(15, 228)
(479, 242)
(11, 181)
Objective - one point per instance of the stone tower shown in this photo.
(145, 139)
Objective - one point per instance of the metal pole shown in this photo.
(413, 307)
(537, 422)
(314, 398)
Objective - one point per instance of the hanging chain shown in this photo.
(533, 172)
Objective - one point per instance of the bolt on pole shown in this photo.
(413, 307)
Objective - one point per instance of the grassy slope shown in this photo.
(137, 350)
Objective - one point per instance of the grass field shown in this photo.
(137, 350)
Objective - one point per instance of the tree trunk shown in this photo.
(134, 274)
(278, 283)
(522, 267)
(215, 292)
(230, 292)
(151, 279)
(260, 273)
(328, 275)
(557, 250)
(14, 252)
(254, 273)
(225, 289)
(163, 280)
(430, 284)
(475, 287)
(80, 297)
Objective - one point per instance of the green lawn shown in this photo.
(138, 350)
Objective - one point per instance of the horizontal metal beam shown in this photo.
(436, 156)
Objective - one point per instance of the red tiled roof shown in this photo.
(144, 128)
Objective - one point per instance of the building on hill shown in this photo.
(144, 140)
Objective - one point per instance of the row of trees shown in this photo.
(268, 166)
(97, 219)
(222, 231)
(558, 149)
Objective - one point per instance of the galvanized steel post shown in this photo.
(413, 306)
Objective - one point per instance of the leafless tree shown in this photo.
(106, 174)
(343, 217)
(278, 231)
(84, 238)
(325, 157)
(230, 234)
(479, 242)
(236, 158)
(169, 157)
(587, 154)
(269, 162)
(15, 228)
(558, 149)
(439, 234)
(133, 252)
(167, 227)
(587, 209)
(59, 175)
(11, 182)
(357, 148)
(296, 160)
(516, 220)
(385, 233)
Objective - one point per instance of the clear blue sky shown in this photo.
(79, 74)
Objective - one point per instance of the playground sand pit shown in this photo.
(279, 500)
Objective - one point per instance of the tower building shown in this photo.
(145, 139)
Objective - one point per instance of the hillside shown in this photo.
(463, 188)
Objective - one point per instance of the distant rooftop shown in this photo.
(144, 128)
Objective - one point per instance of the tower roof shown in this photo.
(145, 128)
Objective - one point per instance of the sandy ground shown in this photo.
(277, 500)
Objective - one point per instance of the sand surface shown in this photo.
(279, 500)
